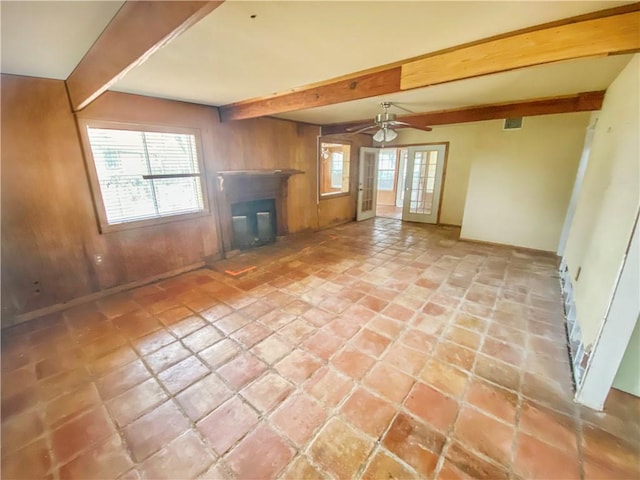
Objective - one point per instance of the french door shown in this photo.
(423, 183)
(367, 183)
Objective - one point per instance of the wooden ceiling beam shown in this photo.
(136, 32)
(338, 91)
(602, 36)
(608, 32)
(582, 102)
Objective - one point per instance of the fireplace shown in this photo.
(252, 206)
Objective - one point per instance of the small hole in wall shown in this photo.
(253, 16)
(36, 283)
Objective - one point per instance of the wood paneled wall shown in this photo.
(49, 230)
(46, 204)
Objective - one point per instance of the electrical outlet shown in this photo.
(98, 258)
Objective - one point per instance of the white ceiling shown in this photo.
(48, 39)
(228, 56)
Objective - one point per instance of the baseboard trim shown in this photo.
(58, 307)
(506, 245)
(337, 223)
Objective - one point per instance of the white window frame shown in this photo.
(334, 171)
(103, 224)
(393, 170)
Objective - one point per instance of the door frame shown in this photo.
(402, 177)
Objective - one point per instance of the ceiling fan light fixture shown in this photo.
(389, 135)
(385, 124)
(385, 134)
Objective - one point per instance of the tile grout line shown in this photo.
(450, 432)
(291, 291)
(94, 377)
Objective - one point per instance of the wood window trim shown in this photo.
(331, 195)
(94, 185)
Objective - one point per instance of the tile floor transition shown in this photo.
(372, 350)
(389, 211)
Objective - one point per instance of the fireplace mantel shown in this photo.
(236, 186)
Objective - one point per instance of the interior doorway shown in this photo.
(408, 182)
(392, 164)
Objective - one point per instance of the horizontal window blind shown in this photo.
(145, 175)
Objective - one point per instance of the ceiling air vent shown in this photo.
(514, 123)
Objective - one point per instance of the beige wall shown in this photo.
(608, 202)
(509, 187)
(520, 181)
(461, 148)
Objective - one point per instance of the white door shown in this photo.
(367, 183)
(425, 165)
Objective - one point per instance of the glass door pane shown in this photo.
(425, 166)
(367, 183)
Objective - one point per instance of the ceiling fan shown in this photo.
(386, 124)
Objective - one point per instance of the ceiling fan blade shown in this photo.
(370, 127)
(360, 127)
(410, 125)
(426, 129)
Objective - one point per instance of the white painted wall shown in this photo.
(520, 181)
(615, 333)
(510, 187)
(608, 203)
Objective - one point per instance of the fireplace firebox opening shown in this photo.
(254, 223)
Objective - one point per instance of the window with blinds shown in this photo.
(144, 175)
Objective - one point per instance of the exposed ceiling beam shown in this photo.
(582, 102)
(608, 32)
(136, 32)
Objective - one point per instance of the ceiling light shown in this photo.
(385, 134)
(379, 136)
(389, 134)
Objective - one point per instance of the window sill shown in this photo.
(152, 222)
(328, 196)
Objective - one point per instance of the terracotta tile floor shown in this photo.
(372, 350)
(389, 211)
